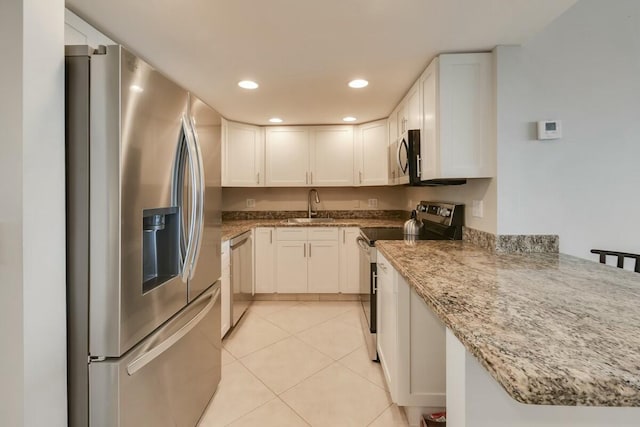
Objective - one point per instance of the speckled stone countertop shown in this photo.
(550, 328)
(233, 228)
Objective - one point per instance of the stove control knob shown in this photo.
(444, 212)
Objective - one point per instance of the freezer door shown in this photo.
(135, 258)
(166, 380)
(206, 268)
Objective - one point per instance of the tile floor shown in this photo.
(292, 363)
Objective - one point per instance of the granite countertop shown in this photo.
(550, 328)
(234, 228)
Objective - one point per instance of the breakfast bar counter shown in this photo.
(551, 329)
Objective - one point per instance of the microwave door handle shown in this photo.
(398, 160)
(199, 191)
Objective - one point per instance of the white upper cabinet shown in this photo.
(242, 155)
(298, 156)
(414, 119)
(372, 145)
(331, 161)
(287, 156)
(457, 137)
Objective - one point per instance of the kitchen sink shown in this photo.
(307, 220)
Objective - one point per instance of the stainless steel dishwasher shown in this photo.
(241, 275)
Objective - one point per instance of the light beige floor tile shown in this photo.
(263, 308)
(351, 318)
(360, 363)
(238, 393)
(333, 338)
(251, 334)
(271, 414)
(307, 314)
(285, 363)
(227, 357)
(393, 416)
(336, 396)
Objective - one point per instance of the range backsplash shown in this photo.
(341, 214)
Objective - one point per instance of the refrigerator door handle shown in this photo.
(193, 173)
(199, 190)
(165, 345)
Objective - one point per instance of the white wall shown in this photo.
(32, 261)
(475, 189)
(584, 69)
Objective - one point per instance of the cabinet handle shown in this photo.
(311, 180)
(418, 166)
(306, 177)
(304, 249)
(271, 237)
(360, 176)
(309, 250)
(258, 178)
(344, 235)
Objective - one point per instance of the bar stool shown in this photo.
(621, 256)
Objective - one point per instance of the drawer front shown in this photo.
(323, 233)
(291, 233)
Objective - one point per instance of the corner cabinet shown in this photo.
(371, 144)
(264, 260)
(298, 156)
(411, 342)
(457, 138)
(242, 155)
(350, 261)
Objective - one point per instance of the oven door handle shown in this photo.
(364, 245)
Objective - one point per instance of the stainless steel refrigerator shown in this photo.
(143, 244)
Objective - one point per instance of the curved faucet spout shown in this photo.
(310, 212)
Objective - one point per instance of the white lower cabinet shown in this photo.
(322, 275)
(264, 260)
(349, 261)
(308, 260)
(411, 342)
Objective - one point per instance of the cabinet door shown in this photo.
(291, 267)
(429, 148)
(421, 363)
(349, 261)
(413, 107)
(331, 156)
(466, 110)
(264, 260)
(387, 324)
(323, 275)
(401, 117)
(373, 147)
(242, 155)
(287, 157)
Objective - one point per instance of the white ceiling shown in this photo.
(303, 52)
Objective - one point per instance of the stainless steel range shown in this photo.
(442, 221)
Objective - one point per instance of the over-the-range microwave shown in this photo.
(415, 159)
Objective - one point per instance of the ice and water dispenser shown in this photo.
(160, 246)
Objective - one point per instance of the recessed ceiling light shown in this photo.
(248, 84)
(358, 83)
(349, 119)
(275, 120)
(136, 88)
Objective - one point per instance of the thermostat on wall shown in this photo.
(549, 129)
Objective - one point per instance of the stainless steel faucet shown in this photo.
(310, 212)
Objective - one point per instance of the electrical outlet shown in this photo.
(477, 209)
(372, 203)
(251, 203)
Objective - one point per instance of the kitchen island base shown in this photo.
(475, 399)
